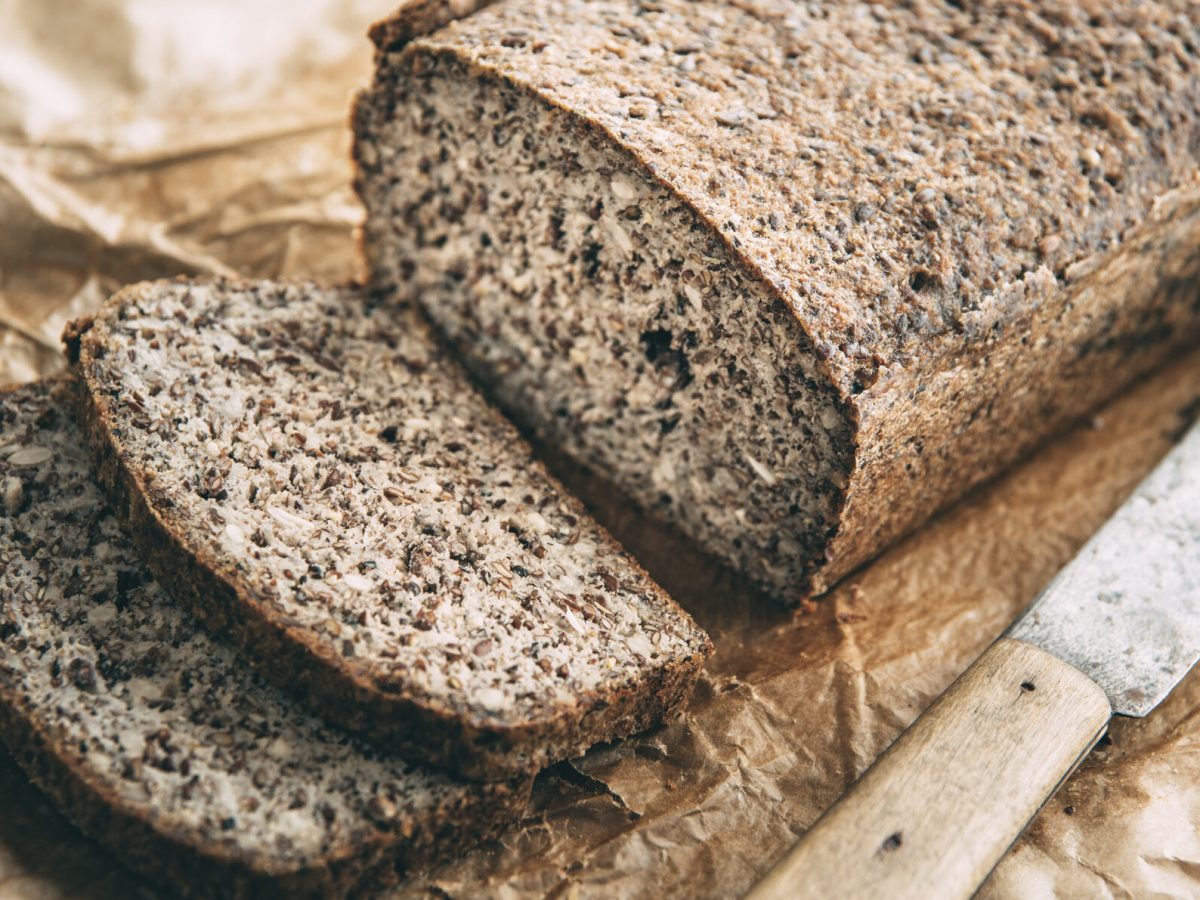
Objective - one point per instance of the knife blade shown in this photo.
(1112, 633)
(1126, 610)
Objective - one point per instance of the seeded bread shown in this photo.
(318, 481)
(792, 276)
(153, 738)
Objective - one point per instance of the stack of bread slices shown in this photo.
(287, 607)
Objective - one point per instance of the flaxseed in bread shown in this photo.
(793, 276)
(154, 738)
(318, 481)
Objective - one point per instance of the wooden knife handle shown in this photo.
(938, 810)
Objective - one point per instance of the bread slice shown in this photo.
(792, 276)
(154, 738)
(320, 483)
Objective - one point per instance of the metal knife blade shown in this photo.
(1126, 610)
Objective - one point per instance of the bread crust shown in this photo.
(943, 383)
(417, 18)
(290, 655)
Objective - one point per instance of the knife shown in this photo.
(1113, 633)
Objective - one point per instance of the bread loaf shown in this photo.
(317, 481)
(793, 276)
(154, 738)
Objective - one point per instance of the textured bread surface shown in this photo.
(317, 480)
(157, 740)
(793, 277)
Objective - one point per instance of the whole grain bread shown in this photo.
(793, 276)
(318, 481)
(154, 738)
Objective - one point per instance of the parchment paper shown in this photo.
(140, 138)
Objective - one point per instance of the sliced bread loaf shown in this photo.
(153, 738)
(319, 482)
(792, 276)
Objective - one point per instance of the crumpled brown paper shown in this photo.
(140, 139)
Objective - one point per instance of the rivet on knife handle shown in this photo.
(937, 811)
